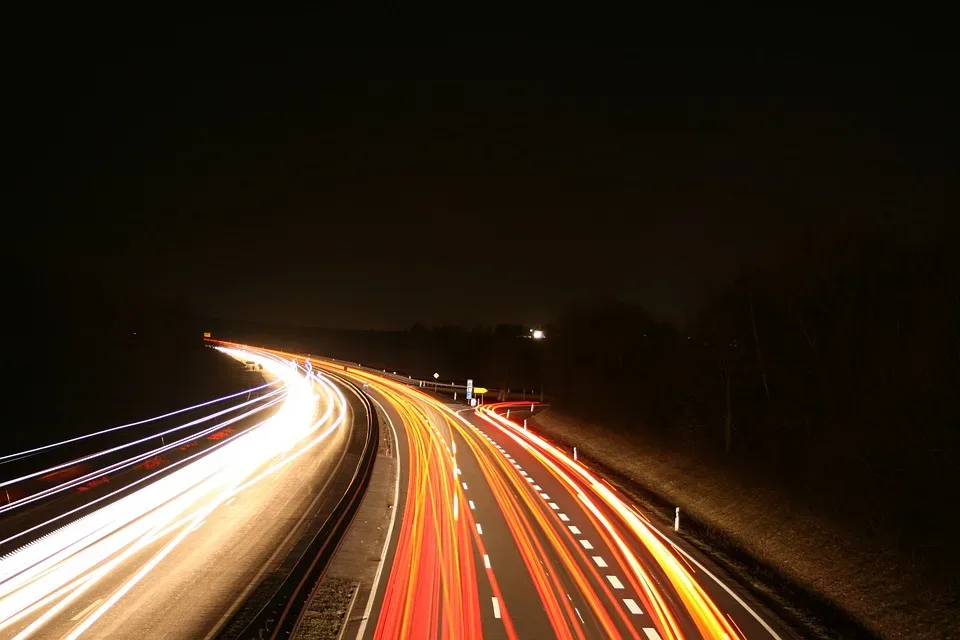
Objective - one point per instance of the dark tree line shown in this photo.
(835, 376)
(494, 357)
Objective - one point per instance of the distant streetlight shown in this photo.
(537, 334)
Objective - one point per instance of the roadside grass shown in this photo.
(822, 578)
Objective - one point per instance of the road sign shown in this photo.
(436, 375)
(206, 334)
(479, 390)
(469, 388)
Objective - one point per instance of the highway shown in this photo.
(501, 535)
(497, 533)
(174, 556)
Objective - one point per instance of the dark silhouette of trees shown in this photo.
(834, 376)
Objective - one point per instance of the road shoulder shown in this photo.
(361, 554)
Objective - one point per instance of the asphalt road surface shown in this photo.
(500, 535)
(177, 557)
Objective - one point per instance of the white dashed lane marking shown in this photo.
(652, 633)
(586, 544)
(464, 486)
(633, 607)
(472, 506)
(615, 581)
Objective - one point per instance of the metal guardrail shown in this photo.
(279, 617)
(493, 393)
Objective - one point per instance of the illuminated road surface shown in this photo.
(500, 535)
(503, 536)
(175, 558)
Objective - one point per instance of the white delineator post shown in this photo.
(508, 414)
(524, 424)
(531, 407)
(676, 520)
(574, 453)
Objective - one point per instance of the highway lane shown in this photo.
(557, 547)
(75, 488)
(483, 549)
(685, 588)
(502, 535)
(178, 568)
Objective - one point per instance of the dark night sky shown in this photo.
(245, 170)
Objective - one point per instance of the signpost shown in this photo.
(469, 388)
(436, 377)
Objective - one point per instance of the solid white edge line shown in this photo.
(729, 591)
(723, 586)
(263, 569)
(393, 517)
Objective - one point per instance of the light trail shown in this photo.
(98, 454)
(708, 618)
(21, 454)
(129, 462)
(431, 592)
(625, 581)
(39, 581)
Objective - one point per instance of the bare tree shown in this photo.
(756, 341)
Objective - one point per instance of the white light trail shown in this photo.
(48, 575)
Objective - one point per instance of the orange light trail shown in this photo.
(516, 501)
(705, 614)
(432, 588)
